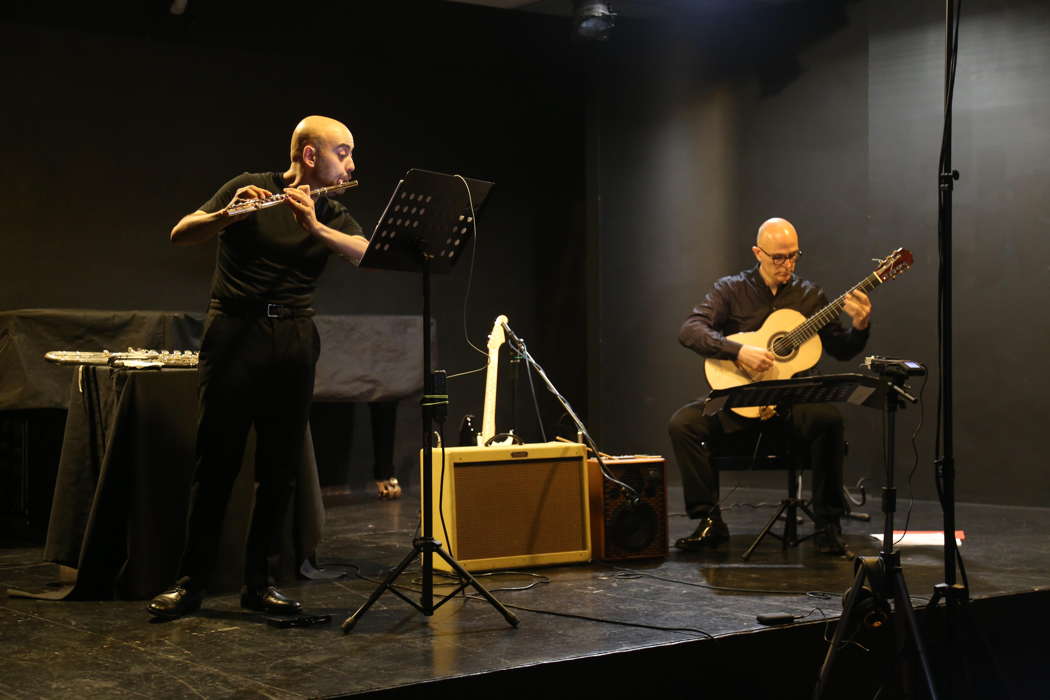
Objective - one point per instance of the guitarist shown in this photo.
(740, 303)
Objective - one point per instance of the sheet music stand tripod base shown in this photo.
(424, 228)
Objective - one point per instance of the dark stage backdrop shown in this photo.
(824, 112)
(829, 114)
(119, 121)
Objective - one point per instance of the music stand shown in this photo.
(850, 388)
(882, 574)
(841, 388)
(424, 228)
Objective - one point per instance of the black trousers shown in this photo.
(816, 427)
(384, 426)
(259, 371)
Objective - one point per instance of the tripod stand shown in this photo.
(882, 577)
(425, 208)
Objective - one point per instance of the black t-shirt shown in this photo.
(267, 256)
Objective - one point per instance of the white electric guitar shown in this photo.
(792, 338)
(488, 420)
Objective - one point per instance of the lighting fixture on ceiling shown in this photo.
(594, 19)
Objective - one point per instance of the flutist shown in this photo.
(259, 350)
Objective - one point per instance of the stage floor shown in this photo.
(112, 648)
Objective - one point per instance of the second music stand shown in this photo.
(425, 227)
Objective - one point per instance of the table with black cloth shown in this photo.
(124, 478)
(124, 482)
(363, 358)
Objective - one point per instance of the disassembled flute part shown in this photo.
(257, 204)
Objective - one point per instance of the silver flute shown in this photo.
(257, 204)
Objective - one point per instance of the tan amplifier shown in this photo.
(512, 506)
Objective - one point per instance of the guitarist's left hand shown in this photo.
(858, 306)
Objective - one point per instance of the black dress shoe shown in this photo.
(270, 600)
(174, 602)
(829, 540)
(710, 532)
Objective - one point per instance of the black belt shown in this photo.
(244, 307)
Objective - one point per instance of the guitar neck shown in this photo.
(829, 313)
(488, 421)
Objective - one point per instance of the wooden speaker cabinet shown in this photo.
(511, 506)
(620, 530)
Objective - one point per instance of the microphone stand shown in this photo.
(965, 641)
(629, 493)
(954, 594)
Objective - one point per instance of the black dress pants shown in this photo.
(817, 428)
(254, 370)
(384, 424)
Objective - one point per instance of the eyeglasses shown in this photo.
(781, 259)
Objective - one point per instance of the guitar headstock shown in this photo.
(894, 264)
(497, 337)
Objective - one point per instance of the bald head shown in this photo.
(321, 133)
(322, 153)
(776, 240)
(776, 231)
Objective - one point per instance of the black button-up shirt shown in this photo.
(740, 303)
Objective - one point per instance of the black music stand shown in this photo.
(881, 577)
(840, 388)
(425, 227)
(850, 388)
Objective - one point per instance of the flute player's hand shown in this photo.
(245, 194)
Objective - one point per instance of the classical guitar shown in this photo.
(792, 338)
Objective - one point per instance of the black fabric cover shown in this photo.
(28, 381)
(363, 358)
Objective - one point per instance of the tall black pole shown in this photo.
(889, 489)
(427, 599)
(946, 182)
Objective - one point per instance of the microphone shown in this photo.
(510, 334)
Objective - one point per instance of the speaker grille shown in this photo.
(621, 529)
(519, 508)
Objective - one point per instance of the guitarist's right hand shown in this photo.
(754, 359)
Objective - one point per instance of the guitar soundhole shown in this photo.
(783, 348)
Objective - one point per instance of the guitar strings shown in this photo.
(811, 326)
